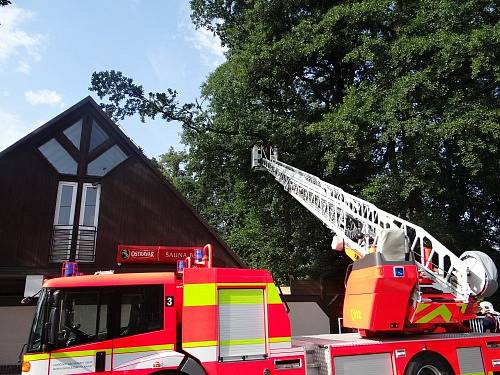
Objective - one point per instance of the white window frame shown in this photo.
(82, 227)
(58, 204)
(97, 203)
(68, 226)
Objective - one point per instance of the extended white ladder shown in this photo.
(359, 222)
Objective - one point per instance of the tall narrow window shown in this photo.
(90, 205)
(87, 230)
(63, 221)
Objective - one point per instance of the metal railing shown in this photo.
(476, 325)
(62, 242)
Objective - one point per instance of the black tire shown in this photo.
(428, 363)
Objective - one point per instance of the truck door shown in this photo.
(83, 342)
(146, 330)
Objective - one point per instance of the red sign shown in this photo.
(153, 254)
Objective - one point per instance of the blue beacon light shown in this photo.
(181, 264)
(198, 255)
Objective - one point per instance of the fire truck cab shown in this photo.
(209, 321)
(219, 321)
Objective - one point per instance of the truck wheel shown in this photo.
(428, 364)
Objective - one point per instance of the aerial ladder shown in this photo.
(402, 278)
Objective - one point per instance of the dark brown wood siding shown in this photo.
(28, 190)
(137, 208)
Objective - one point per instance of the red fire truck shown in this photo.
(406, 294)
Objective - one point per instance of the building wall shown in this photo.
(28, 189)
(15, 324)
(307, 318)
(137, 208)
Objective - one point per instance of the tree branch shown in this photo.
(127, 98)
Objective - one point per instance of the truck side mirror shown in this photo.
(53, 322)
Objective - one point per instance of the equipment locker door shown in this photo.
(242, 328)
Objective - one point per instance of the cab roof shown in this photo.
(111, 280)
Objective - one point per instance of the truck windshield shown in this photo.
(35, 340)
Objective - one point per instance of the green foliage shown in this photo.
(397, 102)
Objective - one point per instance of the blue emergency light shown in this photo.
(70, 269)
(198, 255)
(181, 264)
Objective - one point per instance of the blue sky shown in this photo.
(49, 49)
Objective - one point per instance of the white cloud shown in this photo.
(15, 42)
(12, 128)
(209, 46)
(24, 67)
(43, 97)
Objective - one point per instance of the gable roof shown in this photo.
(102, 116)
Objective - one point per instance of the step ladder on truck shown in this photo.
(203, 320)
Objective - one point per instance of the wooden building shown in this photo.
(74, 189)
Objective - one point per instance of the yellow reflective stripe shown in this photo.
(442, 311)
(242, 342)
(280, 339)
(79, 353)
(35, 357)
(240, 296)
(263, 285)
(473, 373)
(204, 294)
(421, 307)
(273, 296)
(149, 348)
(196, 344)
(199, 294)
(463, 307)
